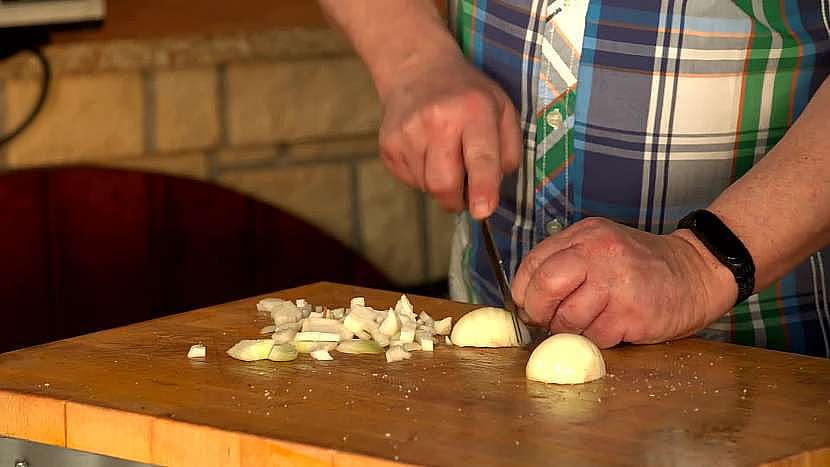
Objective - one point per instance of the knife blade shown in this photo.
(497, 265)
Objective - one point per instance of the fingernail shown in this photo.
(481, 208)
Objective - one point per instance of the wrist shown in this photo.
(411, 59)
(718, 282)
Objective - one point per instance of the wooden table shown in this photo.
(131, 393)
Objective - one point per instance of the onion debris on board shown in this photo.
(301, 328)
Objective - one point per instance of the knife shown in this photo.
(497, 266)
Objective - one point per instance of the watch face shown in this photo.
(721, 237)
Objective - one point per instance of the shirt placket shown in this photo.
(552, 118)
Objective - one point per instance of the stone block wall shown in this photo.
(288, 116)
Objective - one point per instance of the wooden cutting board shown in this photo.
(131, 393)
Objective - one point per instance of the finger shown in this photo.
(606, 331)
(579, 309)
(480, 142)
(533, 260)
(556, 278)
(414, 142)
(444, 171)
(391, 153)
(511, 139)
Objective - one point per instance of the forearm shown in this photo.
(781, 208)
(392, 35)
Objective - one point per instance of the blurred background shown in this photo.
(258, 99)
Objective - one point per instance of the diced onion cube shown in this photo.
(321, 355)
(411, 346)
(380, 338)
(391, 324)
(425, 318)
(284, 336)
(251, 350)
(313, 336)
(359, 346)
(444, 326)
(283, 353)
(196, 351)
(310, 346)
(404, 307)
(270, 304)
(426, 341)
(408, 333)
(396, 354)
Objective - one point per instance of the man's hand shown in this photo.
(443, 119)
(617, 284)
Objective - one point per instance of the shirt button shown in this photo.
(554, 226)
(554, 119)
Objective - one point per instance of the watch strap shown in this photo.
(713, 233)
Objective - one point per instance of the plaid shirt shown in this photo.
(641, 112)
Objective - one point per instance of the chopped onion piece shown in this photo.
(268, 329)
(314, 336)
(411, 346)
(296, 326)
(360, 301)
(328, 326)
(301, 303)
(315, 314)
(444, 327)
(396, 354)
(251, 350)
(363, 335)
(359, 346)
(270, 304)
(321, 355)
(404, 307)
(310, 346)
(283, 336)
(408, 333)
(337, 313)
(425, 340)
(391, 324)
(283, 353)
(425, 330)
(425, 318)
(196, 351)
(286, 312)
(447, 340)
(380, 338)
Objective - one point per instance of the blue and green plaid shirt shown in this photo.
(641, 112)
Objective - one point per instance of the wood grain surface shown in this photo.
(131, 393)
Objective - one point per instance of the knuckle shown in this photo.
(441, 184)
(389, 157)
(594, 222)
(437, 115)
(532, 261)
(564, 321)
(481, 156)
(390, 141)
(476, 100)
(547, 281)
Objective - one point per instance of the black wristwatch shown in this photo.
(725, 246)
